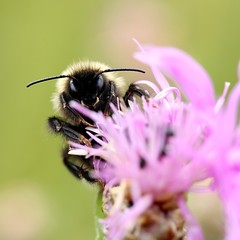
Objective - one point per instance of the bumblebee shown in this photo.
(93, 85)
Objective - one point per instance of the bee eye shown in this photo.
(72, 86)
(99, 83)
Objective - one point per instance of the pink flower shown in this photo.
(220, 152)
(156, 153)
(224, 161)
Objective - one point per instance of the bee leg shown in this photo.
(72, 113)
(68, 131)
(111, 99)
(132, 90)
(77, 166)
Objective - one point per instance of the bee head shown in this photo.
(86, 86)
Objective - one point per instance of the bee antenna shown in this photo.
(120, 70)
(49, 78)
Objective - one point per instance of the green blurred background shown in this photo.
(39, 199)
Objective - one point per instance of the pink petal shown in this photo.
(221, 99)
(193, 229)
(230, 116)
(187, 72)
(232, 209)
(150, 84)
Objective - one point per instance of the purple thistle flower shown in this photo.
(156, 153)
